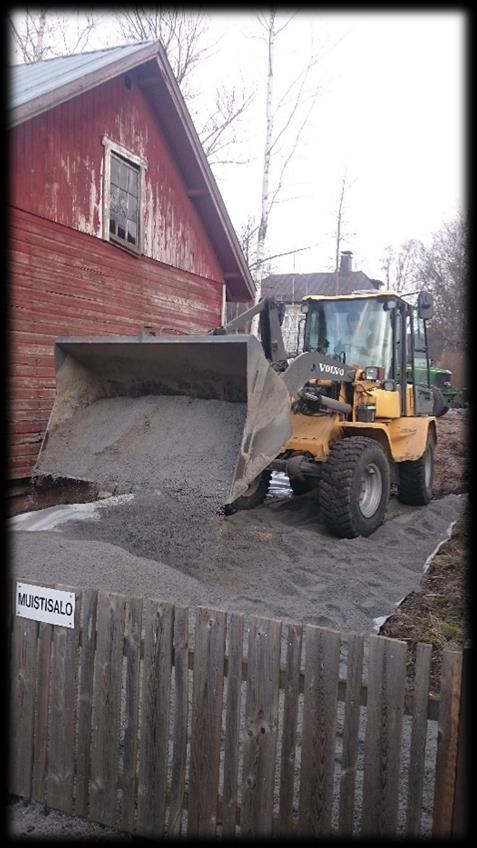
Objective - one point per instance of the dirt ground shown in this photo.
(439, 612)
(452, 468)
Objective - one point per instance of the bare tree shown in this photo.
(339, 226)
(247, 236)
(183, 36)
(339, 234)
(401, 266)
(284, 122)
(386, 264)
(218, 133)
(444, 270)
(41, 34)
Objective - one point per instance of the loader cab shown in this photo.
(355, 331)
(382, 332)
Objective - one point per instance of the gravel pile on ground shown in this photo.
(276, 560)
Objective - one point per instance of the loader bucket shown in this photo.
(229, 369)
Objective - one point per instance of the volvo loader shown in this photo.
(346, 416)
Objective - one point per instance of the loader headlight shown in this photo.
(389, 385)
(373, 373)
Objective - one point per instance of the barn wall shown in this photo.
(57, 171)
(62, 283)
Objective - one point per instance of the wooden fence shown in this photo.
(159, 720)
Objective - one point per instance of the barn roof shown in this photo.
(37, 87)
(293, 287)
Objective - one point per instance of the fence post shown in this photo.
(447, 741)
(461, 810)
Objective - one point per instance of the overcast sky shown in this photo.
(390, 113)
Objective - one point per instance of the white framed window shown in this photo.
(123, 196)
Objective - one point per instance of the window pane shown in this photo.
(132, 207)
(132, 232)
(114, 170)
(112, 226)
(123, 175)
(133, 182)
(114, 199)
(123, 203)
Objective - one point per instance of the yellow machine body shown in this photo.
(403, 438)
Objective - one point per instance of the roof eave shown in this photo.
(37, 105)
(206, 175)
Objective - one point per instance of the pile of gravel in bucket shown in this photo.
(186, 447)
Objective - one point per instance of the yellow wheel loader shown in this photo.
(345, 416)
(357, 426)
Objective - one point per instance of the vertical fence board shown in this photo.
(179, 732)
(461, 811)
(385, 708)
(42, 700)
(354, 670)
(63, 691)
(290, 714)
(155, 710)
(85, 699)
(232, 724)
(261, 719)
(447, 737)
(418, 739)
(322, 657)
(206, 724)
(131, 713)
(111, 615)
(22, 705)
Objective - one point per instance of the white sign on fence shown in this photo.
(51, 606)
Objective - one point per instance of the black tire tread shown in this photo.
(336, 484)
(411, 481)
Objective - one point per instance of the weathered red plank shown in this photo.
(65, 283)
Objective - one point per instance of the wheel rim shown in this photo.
(371, 490)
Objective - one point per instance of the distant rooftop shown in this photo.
(293, 287)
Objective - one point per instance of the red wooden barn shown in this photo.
(117, 224)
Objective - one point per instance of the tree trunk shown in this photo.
(265, 211)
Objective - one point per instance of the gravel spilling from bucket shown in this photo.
(186, 447)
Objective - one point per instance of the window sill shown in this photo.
(133, 251)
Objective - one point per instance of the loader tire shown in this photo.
(254, 496)
(354, 487)
(415, 477)
(439, 405)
